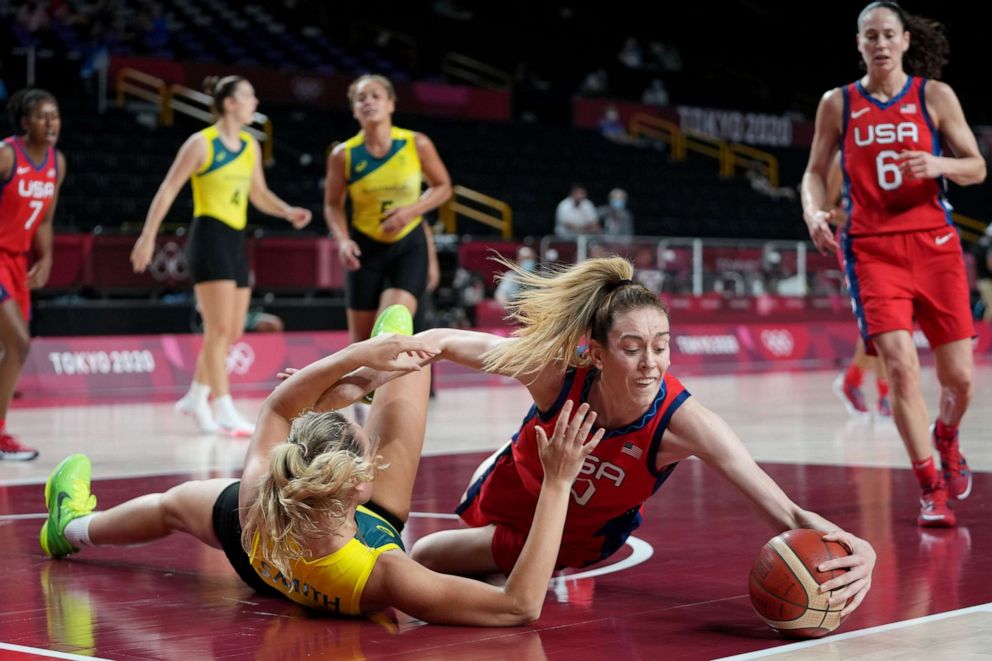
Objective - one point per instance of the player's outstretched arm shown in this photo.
(403, 583)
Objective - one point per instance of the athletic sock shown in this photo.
(199, 392)
(854, 376)
(77, 531)
(883, 387)
(925, 472)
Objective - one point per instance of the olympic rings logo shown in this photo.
(779, 342)
(240, 359)
(169, 263)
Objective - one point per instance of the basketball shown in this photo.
(784, 582)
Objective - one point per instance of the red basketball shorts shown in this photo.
(14, 281)
(895, 279)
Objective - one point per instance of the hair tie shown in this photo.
(302, 447)
(617, 284)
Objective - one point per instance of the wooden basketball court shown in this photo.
(677, 591)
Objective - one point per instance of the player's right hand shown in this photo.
(141, 254)
(348, 253)
(821, 233)
(564, 453)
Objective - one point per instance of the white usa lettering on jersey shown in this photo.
(37, 190)
(886, 134)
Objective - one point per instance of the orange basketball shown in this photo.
(784, 584)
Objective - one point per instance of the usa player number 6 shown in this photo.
(889, 174)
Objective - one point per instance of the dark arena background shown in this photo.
(700, 114)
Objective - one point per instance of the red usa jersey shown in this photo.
(25, 197)
(607, 495)
(878, 196)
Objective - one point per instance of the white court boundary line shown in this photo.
(640, 551)
(37, 651)
(827, 640)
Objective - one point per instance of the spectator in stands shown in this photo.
(576, 215)
(509, 282)
(385, 249)
(31, 172)
(615, 218)
(665, 57)
(596, 83)
(611, 128)
(897, 223)
(631, 55)
(224, 164)
(655, 93)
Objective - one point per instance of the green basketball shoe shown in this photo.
(68, 497)
(396, 320)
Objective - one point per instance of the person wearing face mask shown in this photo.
(509, 284)
(615, 219)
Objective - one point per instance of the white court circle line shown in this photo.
(640, 551)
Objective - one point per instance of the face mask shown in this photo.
(617, 204)
(528, 264)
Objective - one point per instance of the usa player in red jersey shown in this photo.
(31, 173)
(651, 424)
(902, 254)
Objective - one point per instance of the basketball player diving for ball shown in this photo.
(650, 422)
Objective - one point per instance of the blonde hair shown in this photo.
(558, 308)
(379, 78)
(308, 489)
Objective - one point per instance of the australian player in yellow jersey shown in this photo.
(318, 513)
(223, 162)
(386, 250)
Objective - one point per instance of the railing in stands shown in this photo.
(966, 224)
(494, 213)
(399, 44)
(729, 155)
(145, 87)
(466, 69)
(188, 101)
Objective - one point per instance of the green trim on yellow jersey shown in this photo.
(376, 185)
(221, 185)
(334, 582)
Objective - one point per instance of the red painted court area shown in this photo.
(177, 599)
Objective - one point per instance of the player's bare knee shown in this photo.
(424, 552)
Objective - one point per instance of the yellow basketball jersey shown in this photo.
(220, 187)
(377, 185)
(334, 582)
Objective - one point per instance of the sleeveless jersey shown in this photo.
(334, 582)
(879, 198)
(376, 185)
(607, 495)
(221, 185)
(25, 197)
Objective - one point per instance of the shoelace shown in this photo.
(950, 456)
(78, 502)
(934, 496)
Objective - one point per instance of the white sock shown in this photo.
(77, 531)
(224, 406)
(199, 392)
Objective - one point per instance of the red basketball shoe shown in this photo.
(957, 475)
(852, 396)
(934, 512)
(12, 450)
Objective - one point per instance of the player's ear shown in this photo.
(595, 354)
